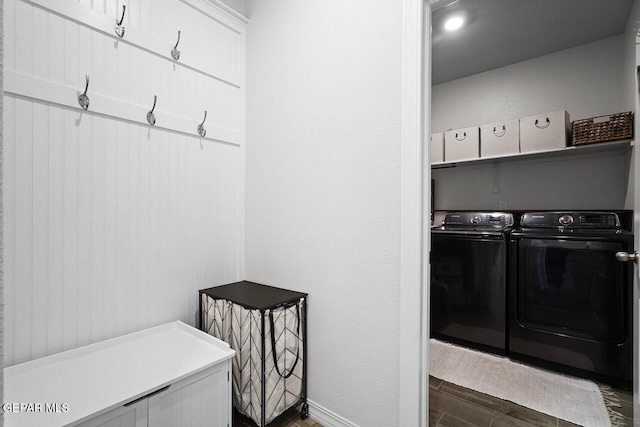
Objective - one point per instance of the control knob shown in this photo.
(565, 220)
(475, 219)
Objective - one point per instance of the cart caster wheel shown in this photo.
(304, 412)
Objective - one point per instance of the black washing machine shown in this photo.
(570, 299)
(468, 279)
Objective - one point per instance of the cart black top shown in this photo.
(254, 295)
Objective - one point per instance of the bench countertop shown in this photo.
(100, 377)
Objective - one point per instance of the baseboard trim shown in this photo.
(326, 417)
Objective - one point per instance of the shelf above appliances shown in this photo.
(592, 149)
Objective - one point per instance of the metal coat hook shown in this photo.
(175, 53)
(119, 26)
(201, 130)
(83, 99)
(151, 118)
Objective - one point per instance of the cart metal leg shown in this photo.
(263, 386)
(304, 412)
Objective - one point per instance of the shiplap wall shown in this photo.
(112, 225)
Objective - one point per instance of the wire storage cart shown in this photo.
(267, 328)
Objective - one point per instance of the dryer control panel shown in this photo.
(570, 219)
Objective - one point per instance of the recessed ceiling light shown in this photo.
(453, 23)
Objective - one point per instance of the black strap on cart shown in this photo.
(287, 373)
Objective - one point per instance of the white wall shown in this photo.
(629, 73)
(582, 182)
(237, 5)
(2, 207)
(111, 225)
(571, 80)
(630, 84)
(323, 187)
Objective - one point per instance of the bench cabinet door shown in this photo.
(203, 399)
(125, 416)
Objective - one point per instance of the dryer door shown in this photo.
(573, 288)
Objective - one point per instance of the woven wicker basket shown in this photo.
(602, 129)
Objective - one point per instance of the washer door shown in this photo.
(468, 282)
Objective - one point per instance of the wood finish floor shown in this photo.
(453, 406)
(290, 418)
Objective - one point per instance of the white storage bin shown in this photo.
(500, 139)
(436, 147)
(462, 144)
(541, 132)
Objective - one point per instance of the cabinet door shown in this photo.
(125, 416)
(203, 399)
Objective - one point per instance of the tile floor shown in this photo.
(453, 406)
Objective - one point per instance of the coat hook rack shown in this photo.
(83, 99)
(175, 53)
(151, 118)
(119, 27)
(201, 130)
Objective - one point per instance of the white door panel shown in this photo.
(126, 416)
(197, 401)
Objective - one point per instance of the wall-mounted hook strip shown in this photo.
(119, 27)
(151, 118)
(175, 53)
(83, 99)
(201, 130)
(107, 106)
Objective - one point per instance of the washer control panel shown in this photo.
(471, 220)
(570, 220)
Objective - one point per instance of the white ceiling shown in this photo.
(502, 32)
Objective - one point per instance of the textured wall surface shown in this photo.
(571, 80)
(630, 85)
(323, 187)
(1, 207)
(568, 80)
(585, 182)
(237, 5)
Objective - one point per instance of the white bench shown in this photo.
(171, 375)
